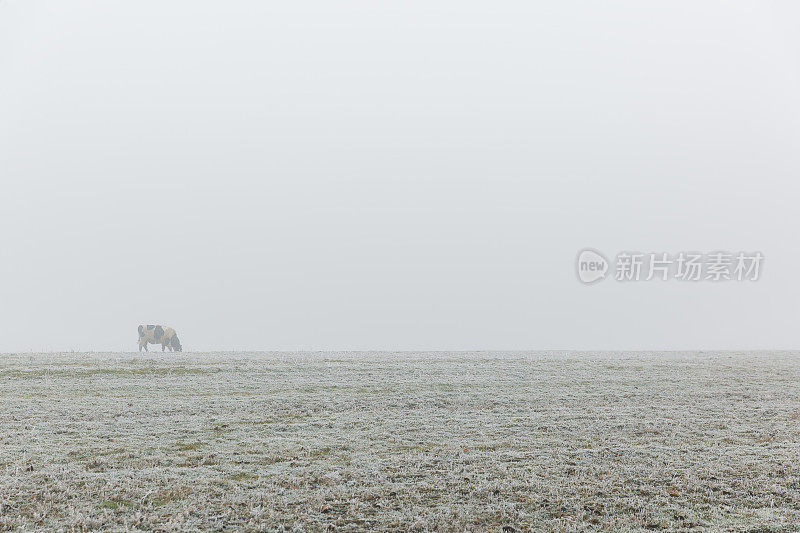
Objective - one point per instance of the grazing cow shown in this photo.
(165, 336)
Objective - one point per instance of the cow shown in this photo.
(154, 334)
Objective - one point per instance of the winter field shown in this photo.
(399, 441)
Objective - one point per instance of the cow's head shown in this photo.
(176, 344)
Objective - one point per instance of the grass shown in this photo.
(242, 476)
(188, 446)
(116, 505)
(356, 441)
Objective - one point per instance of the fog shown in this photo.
(396, 175)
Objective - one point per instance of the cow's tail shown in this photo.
(141, 331)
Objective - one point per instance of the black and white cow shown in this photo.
(154, 334)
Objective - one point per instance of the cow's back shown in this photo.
(154, 333)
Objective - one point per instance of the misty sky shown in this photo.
(394, 175)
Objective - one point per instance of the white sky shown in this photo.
(394, 175)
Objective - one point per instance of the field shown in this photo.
(399, 441)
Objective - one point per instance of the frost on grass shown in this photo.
(382, 441)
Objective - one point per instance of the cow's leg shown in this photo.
(163, 346)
